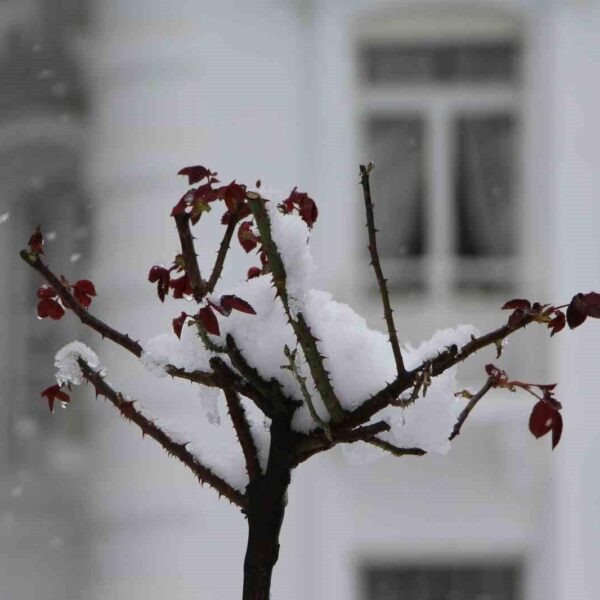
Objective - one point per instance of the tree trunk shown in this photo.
(267, 498)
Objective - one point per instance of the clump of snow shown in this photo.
(227, 462)
(359, 359)
(441, 341)
(186, 353)
(68, 370)
(428, 423)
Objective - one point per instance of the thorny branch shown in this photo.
(239, 420)
(487, 386)
(84, 316)
(199, 286)
(131, 413)
(221, 255)
(303, 333)
(381, 281)
(395, 450)
(437, 365)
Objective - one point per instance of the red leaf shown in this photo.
(50, 308)
(209, 320)
(46, 291)
(576, 311)
(305, 205)
(53, 393)
(247, 238)
(543, 419)
(161, 277)
(83, 290)
(253, 272)
(181, 286)
(205, 194)
(517, 303)
(230, 302)
(592, 302)
(36, 241)
(308, 210)
(196, 173)
(178, 324)
(558, 322)
(233, 194)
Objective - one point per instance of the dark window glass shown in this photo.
(441, 63)
(448, 582)
(484, 185)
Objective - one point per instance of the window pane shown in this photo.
(396, 147)
(481, 62)
(485, 582)
(485, 185)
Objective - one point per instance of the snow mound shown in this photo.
(68, 370)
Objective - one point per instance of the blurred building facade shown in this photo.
(44, 526)
(481, 120)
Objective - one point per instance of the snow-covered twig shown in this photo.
(444, 361)
(129, 411)
(240, 422)
(303, 333)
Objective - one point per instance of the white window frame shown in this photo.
(439, 105)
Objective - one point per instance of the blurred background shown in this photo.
(482, 120)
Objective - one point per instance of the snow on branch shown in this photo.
(149, 427)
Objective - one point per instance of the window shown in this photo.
(443, 582)
(440, 105)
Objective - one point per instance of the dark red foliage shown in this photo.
(545, 415)
(304, 204)
(234, 195)
(181, 286)
(253, 272)
(209, 320)
(160, 276)
(178, 323)
(517, 303)
(545, 418)
(196, 174)
(581, 307)
(36, 241)
(557, 323)
(45, 292)
(247, 238)
(230, 302)
(53, 393)
(47, 307)
(551, 316)
(83, 290)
